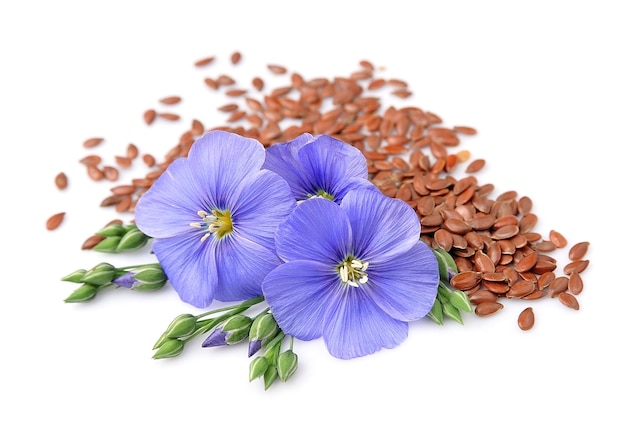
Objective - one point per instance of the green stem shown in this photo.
(206, 325)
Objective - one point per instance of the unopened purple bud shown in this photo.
(126, 280)
(253, 347)
(217, 338)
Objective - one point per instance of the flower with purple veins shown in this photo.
(213, 216)
(354, 273)
(319, 166)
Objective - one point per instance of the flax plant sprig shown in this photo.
(145, 278)
(228, 326)
(118, 238)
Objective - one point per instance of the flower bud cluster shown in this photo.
(449, 302)
(274, 363)
(228, 326)
(120, 238)
(147, 277)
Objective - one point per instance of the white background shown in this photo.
(542, 81)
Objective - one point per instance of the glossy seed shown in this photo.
(557, 239)
(465, 280)
(92, 241)
(578, 251)
(569, 300)
(55, 221)
(577, 266)
(487, 308)
(575, 283)
(475, 166)
(526, 319)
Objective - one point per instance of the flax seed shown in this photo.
(170, 100)
(54, 221)
(526, 319)
(92, 142)
(569, 300)
(60, 180)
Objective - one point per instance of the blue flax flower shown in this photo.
(213, 216)
(355, 273)
(319, 166)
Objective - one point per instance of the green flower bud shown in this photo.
(112, 230)
(182, 326)
(85, 292)
(436, 312)
(160, 341)
(452, 312)
(108, 245)
(147, 287)
(258, 366)
(447, 266)
(270, 375)
(236, 328)
(461, 301)
(132, 240)
(169, 348)
(263, 328)
(287, 364)
(151, 273)
(273, 349)
(75, 277)
(101, 274)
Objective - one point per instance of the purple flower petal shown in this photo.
(262, 204)
(300, 294)
(330, 160)
(243, 264)
(220, 161)
(358, 327)
(235, 208)
(317, 230)
(199, 182)
(406, 286)
(282, 158)
(190, 267)
(312, 165)
(382, 227)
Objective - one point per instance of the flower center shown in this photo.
(322, 193)
(352, 271)
(218, 222)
